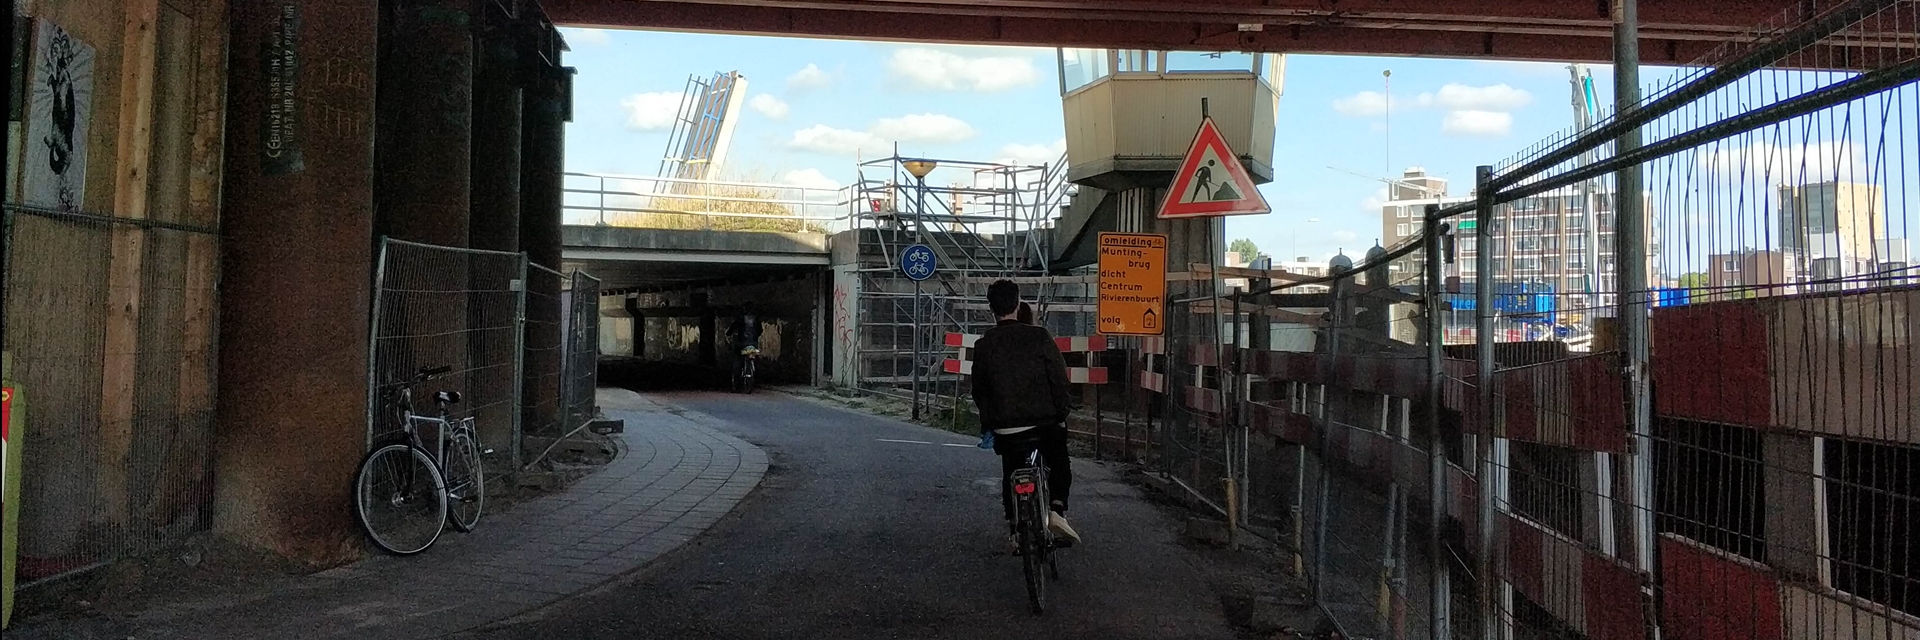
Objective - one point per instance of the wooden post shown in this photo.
(199, 307)
(119, 358)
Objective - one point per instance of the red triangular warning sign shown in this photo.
(1211, 181)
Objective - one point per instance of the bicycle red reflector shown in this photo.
(1023, 488)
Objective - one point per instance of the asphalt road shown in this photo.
(853, 536)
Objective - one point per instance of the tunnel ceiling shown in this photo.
(1673, 31)
(618, 276)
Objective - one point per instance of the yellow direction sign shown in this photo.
(1133, 284)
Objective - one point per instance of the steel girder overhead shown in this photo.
(1671, 31)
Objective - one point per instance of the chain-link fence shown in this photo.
(580, 373)
(110, 341)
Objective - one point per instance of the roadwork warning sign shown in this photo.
(1133, 284)
(1211, 181)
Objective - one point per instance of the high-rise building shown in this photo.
(1543, 242)
(1832, 229)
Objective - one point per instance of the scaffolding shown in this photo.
(984, 221)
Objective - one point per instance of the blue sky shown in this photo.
(813, 103)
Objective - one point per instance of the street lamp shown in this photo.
(919, 169)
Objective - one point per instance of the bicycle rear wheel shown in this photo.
(466, 482)
(400, 499)
(1033, 557)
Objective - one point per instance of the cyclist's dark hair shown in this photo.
(1026, 313)
(1003, 297)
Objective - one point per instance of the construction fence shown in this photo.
(1690, 412)
(522, 342)
(110, 336)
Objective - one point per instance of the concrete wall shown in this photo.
(1147, 123)
(680, 240)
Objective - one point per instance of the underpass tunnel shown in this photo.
(666, 325)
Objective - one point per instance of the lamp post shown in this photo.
(919, 169)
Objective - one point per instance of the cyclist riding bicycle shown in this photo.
(1020, 386)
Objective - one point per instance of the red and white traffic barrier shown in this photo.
(964, 342)
(1152, 347)
(1067, 344)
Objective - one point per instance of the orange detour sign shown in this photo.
(1133, 284)
(1211, 181)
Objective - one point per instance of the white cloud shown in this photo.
(1460, 97)
(1452, 96)
(1344, 235)
(1767, 163)
(1373, 203)
(1365, 104)
(928, 69)
(769, 106)
(809, 77)
(594, 37)
(809, 178)
(821, 138)
(924, 128)
(1477, 123)
(1031, 154)
(651, 111)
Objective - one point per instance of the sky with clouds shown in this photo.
(814, 105)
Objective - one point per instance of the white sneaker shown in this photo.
(1058, 525)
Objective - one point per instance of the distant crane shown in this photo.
(1585, 109)
(1425, 190)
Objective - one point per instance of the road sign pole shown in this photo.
(916, 350)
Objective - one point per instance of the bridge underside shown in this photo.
(629, 260)
(1672, 31)
(622, 274)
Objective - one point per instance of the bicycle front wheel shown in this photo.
(400, 499)
(466, 482)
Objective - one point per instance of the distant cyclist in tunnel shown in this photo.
(1020, 386)
(744, 335)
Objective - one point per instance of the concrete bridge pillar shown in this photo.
(542, 150)
(426, 121)
(495, 223)
(298, 211)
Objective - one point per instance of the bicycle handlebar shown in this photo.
(426, 373)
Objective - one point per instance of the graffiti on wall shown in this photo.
(844, 345)
(55, 171)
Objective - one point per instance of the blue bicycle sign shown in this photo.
(918, 262)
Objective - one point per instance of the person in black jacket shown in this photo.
(1020, 386)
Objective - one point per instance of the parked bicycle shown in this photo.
(406, 493)
(1036, 541)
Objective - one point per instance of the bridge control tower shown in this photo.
(1130, 116)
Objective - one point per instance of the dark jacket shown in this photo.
(1019, 377)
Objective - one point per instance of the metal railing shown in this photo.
(676, 203)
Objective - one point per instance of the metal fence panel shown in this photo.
(110, 335)
(581, 371)
(545, 342)
(441, 306)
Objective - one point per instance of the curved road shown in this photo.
(853, 536)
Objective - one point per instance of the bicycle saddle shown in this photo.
(448, 397)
